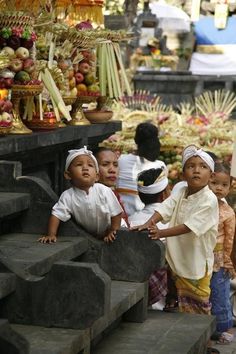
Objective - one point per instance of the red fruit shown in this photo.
(13, 42)
(86, 54)
(8, 82)
(16, 65)
(29, 65)
(84, 68)
(79, 77)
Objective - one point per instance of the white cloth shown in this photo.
(130, 166)
(140, 217)
(189, 254)
(213, 64)
(192, 150)
(83, 151)
(158, 186)
(178, 186)
(93, 211)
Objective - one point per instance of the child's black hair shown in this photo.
(222, 167)
(146, 138)
(147, 178)
(214, 157)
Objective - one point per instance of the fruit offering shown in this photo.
(18, 44)
(5, 113)
(85, 70)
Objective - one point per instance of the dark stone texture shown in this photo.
(11, 203)
(7, 284)
(131, 257)
(161, 333)
(124, 296)
(71, 295)
(54, 340)
(22, 254)
(11, 342)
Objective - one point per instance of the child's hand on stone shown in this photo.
(47, 239)
(110, 237)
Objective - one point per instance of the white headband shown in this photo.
(83, 151)
(158, 186)
(192, 150)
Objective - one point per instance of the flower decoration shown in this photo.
(20, 32)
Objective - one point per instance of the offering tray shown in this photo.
(78, 117)
(19, 92)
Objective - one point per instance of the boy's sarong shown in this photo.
(157, 286)
(193, 295)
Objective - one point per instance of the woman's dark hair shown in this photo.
(147, 178)
(146, 138)
(100, 149)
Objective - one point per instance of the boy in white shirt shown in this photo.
(192, 213)
(93, 205)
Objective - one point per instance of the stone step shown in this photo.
(22, 254)
(11, 203)
(161, 333)
(124, 295)
(7, 284)
(69, 341)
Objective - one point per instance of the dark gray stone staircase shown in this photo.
(79, 295)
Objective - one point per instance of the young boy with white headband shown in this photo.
(193, 215)
(92, 205)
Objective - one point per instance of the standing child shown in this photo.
(93, 205)
(223, 268)
(193, 216)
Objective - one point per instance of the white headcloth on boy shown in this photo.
(192, 150)
(83, 151)
(158, 186)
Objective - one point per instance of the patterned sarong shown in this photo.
(157, 286)
(193, 294)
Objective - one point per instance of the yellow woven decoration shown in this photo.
(88, 12)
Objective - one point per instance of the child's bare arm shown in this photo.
(155, 233)
(115, 225)
(51, 236)
(156, 217)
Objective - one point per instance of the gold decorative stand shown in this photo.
(19, 92)
(77, 114)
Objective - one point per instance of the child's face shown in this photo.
(82, 172)
(196, 173)
(220, 184)
(108, 168)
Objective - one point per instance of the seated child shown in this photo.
(152, 189)
(193, 216)
(223, 267)
(93, 205)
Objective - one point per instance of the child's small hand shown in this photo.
(140, 227)
(154, 232)
(47, 239)
(110, 237)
